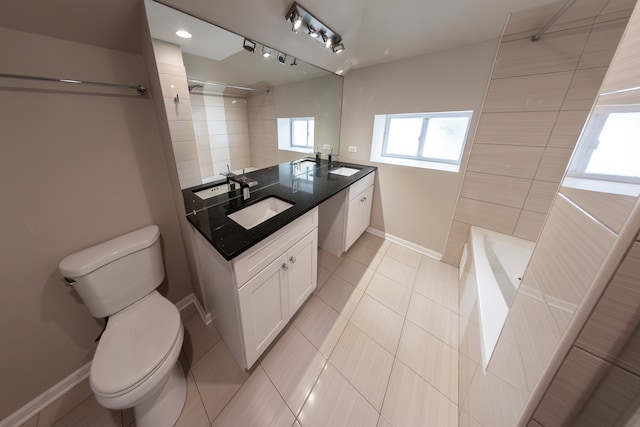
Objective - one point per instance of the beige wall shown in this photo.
(584, 239)
(79, 165)
(411, 203)
(538, 99)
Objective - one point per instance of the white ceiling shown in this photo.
(374, 31)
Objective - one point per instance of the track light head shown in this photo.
(249, 46)
(266, 51)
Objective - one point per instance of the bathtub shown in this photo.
(491, 268)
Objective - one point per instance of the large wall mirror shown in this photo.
(252, 106)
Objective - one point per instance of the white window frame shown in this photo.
(381, 132)
(286, 135)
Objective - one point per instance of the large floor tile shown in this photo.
(65, 403)
(293, 365)
(340, 295)
(364, 363)
(320, 324)
(323, 274)
(198, 338)
(90, 413)
(439, 282)
(366, 255)
(390, 293)
(430, 358)
(257, 404)
(411, 401)
(378, 322)
(354, 272)
(327, 260)
(404, 255)
(374, 242)
(218, 377)
(400, 272)
(434, 318)
(334, 402)
(193, 413)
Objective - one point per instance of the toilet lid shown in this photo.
(136, 341)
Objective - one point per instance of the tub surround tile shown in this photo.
(505, 160)
(531, 128)
(411, 401)
(499, 218)
(502, 190)
(529, 225)
(608, 208)
(584, 88)
(542, 92)
(540, 196)
(494, 402)
(603, 42)
(623, 68)
(293, 365)
(612, 331)
(257, 403)
(364, 363)
(433, 360)
(553, 164)
(218, 378)
(567, 128)
(570, 250)
(335, 402)
(556, 52)
(320, 324)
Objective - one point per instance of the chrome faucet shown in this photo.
(244, 181)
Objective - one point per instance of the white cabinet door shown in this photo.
(264, 308)
(302, 278)
(364, 211)
(358, 216)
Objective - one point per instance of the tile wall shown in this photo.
(263, 133)
(537, 102)
(573, 261)
(222, 133)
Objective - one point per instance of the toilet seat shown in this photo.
(139, 342)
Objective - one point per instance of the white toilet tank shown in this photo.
(114, 274)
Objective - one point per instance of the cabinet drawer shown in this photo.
(250, 263)
(359, 186)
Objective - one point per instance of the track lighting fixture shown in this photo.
(282, 58)
(298, 17)
(266, 51)
(295, 62)
(249, 45)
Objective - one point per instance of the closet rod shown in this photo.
(203, 82)
(553, 19)
(141, 89)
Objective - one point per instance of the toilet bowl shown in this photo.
(136, 361)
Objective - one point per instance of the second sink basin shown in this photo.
(344, 171)
(258, 213)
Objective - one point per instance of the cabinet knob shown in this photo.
(285, 266)
(292, 259)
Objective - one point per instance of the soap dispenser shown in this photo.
(318, 153)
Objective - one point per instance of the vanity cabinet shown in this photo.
(253, 296)
(345, 216)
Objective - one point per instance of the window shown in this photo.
(609, 146)
(296, 134)
(426, 140)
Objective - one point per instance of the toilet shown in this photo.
(136, 362)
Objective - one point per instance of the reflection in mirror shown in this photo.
(251, 106)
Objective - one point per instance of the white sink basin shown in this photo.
(258, 213)
(344, 171)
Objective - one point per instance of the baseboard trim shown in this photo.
(207, 318)
(405, 243)
(34, 407)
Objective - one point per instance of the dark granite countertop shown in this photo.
(305, 187)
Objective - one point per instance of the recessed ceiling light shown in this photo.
(184, 34)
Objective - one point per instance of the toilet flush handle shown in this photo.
(69, 282)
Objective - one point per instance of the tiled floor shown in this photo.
(376, 345)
